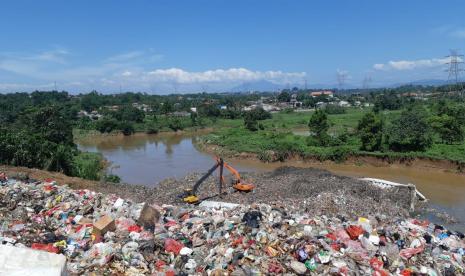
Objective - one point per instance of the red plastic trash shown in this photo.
(354, 231)
(173, 246)
(45, 247)
(134, 228)
(407, 253)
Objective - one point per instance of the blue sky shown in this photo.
(185, 46)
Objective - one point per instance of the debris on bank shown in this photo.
(105, 234)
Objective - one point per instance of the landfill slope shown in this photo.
(104, 234)
(313, 190)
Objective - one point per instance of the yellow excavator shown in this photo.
(190, 195)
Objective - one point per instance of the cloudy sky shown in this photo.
(200, 45)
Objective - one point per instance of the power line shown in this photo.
(455, 61)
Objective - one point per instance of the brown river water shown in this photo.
(148, 159)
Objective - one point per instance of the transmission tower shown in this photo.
(366, 82)
(341, 78)
(455, 62)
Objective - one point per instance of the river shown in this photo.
(148, 159)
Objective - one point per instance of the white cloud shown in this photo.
(401, 65)
(135, 70)
(379, 66)
(222, 75)
(126, 74)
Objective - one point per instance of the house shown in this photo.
(343, 104)
(194, 109)
(94, 115)
(327, 93)
(293, 102)
(321, 104)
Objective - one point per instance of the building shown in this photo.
(343, 103)
(293, 102)
(327, 93)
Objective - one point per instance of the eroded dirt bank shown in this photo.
(359, 160)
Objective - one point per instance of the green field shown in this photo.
(279, 137)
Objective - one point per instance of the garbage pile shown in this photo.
(104, 234)
(315, 190)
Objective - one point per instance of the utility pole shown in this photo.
(55, 86)
(455, 62)
(305, 84)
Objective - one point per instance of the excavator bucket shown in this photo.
(244, 187)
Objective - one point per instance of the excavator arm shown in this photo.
(190, 196)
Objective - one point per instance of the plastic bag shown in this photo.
(45, 247)
(407, 253)
(173, 246)
(354, 231)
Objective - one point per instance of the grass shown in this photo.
(277, 142)
(88, 165)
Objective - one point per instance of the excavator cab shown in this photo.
(190, 195)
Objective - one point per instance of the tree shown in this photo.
(370, 129)
(319, 126)
(209, 110)
(411, 132)
(131, 114)
(284, 96)
(250, 122)
(449, 128)
(106, 125)
(258, 114)
(318, 123)
(175, 124)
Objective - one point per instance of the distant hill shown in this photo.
(426, 82)
(261, 85)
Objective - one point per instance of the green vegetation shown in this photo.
(387, 134)
(37, 130)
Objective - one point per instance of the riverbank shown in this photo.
(83, 134)
(361, 159)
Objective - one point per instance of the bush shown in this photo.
(112, 178)
(175, 124)
(152, 128)
(258, 114)
(87, 165)
(127, 128)
(250, 123)
(340, 154)
(334, 109)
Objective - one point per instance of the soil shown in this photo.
(317, 191)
